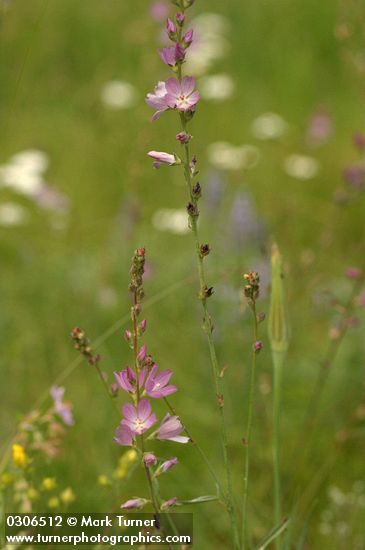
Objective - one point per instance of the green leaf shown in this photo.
(273, 534)
(198, 500)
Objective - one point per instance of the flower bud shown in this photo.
(183, 137)
(197, 191)
(143, 325)
(127, 335)
(188, 38)
(180, 18)
(171, 29)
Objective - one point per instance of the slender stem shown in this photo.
(105, 384)
(199, 450)
(208, 328)
(154, 498)
(249, 429)
(278, 360)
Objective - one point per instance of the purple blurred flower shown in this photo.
(143, 325)
(157, 100)
(353, 273)
(359, 141)
(159, 10)
(127, 379)
(167, 465)
(170, 429)
(134, 503)
(320, 128)
(124, 435)
(181, 95)
(149, 459)
(139, 419)
(163, 158)
(355, 176)
(173, 55)
(257, 346)
(157, 384)
(63, 410)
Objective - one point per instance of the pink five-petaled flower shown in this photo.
(124, 435)
(134, 503)
(173, 55)
(139, 419)
(163, 158)
(181, 95)
(157, 100)
(127, 379)
(157, 385)
(170, 429)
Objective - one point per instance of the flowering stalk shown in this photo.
(251, 291)
(279, 341)
(179, 94)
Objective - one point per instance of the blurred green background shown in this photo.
(66, 245)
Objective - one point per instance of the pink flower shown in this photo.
(183, 137)
(173, 55)
(167, 465)
(127, 379)
(63, 410)
(181, 95)
(149, 459)
(157, 100)
(170, 429)
(124, 435)
(134, 503)
(163, 158)
(139, 419)
(157, 384)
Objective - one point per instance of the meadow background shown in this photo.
(66, 243)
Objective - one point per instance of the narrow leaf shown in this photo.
(273, 534)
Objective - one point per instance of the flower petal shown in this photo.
(187, 85)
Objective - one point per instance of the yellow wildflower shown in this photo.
(20, 457)
(53, 502)
(104, 480)
(67, 496)
(49, 483)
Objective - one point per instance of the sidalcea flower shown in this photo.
(134, 503)
(180, 18)
(157, 100)
(139, 419)
(167, 465)
(170, 429)
(173, 55)
(63, 410)
(181, 95)
(124, 435)
(157, 385)
(127, 379)
(163, 158)
(149, 459)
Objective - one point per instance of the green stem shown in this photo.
(208, 328)
(278, 360)
(248, 430)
